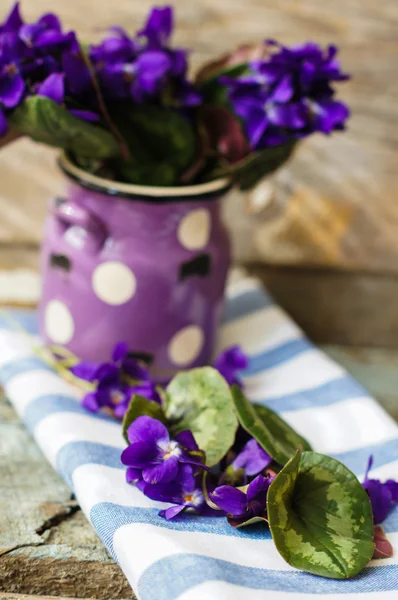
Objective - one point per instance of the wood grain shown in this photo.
(336, 307)
(46, 544)
(335, 204)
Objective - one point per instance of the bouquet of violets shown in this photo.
(127, 108)
(200, 446)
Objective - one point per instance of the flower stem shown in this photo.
(124, 150)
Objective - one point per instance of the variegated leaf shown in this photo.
(201, 400)
(320, 517)
(277, 438)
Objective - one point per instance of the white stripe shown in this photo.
(29, 386)
(15, 345)
(259, 331)
(154, 545)
(94, 484)
(221, 590)
(238, 285)
(58, 429)
(304, 372)
(344, 426)
(388, 471)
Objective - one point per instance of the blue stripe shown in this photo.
(356, 460)
(170, 577)
(46, 405)
(75, 454)
(276, 356)
(245, 303)
(108, 518)
(343, 388)
(26, 318)
(22, 365)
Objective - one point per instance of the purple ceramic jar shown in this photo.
(140, 264)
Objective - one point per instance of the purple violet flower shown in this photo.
(242, 506)
(144, 67)
(116, 381)
(159, 458)
(185, 493)
(46, 35)
(159, 27)
(252, 459)
(289, 95)
(13, 21)
(382, 495)
(229, 362)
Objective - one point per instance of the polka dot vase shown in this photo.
(144, 265)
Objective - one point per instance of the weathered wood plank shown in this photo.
(46, 544)
(29, 597)
(375, 368)
(334, 307)
(335, 204)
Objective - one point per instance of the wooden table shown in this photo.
(48, 547)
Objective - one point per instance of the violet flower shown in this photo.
(116, 381)
(382, 495)
(145, 67)
(46, 35)
(184, 493)
(252, 459)
(242, 506)
(159, 27)
(229, 362)
(13, 21)
(159, 458)
(289, 95)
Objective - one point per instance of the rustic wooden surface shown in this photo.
(46, 545)
(335, 205)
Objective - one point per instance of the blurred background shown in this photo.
(322, 233)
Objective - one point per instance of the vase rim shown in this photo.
(150, 193)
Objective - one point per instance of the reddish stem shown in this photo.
(124, 150)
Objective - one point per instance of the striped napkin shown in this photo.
(202, 558)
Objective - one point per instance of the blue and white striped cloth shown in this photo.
(202, 558)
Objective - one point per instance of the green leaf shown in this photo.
(162, 144)
(45, 121)
(277, 438)
(201, 400)
(320, 517)
(141, 406)
(258, 165)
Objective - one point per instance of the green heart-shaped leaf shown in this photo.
(162, 144)
(320, 517)
(259, 164)
(45, 121)
(277, 438)
(201, 400)
(141, 406)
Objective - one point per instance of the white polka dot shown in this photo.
(114, 283)
(186, 345)
(59, 322)
(194, 229)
